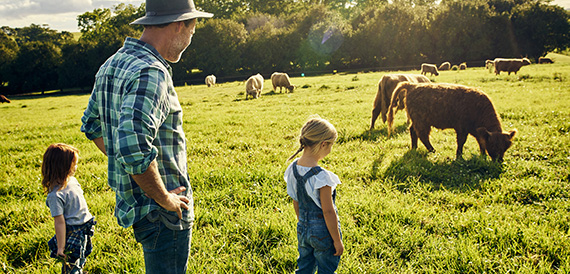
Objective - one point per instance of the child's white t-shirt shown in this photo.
(70, 203)
(314, 184)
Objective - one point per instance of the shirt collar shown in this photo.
(136, 43)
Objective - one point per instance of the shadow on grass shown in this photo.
(370, 135)
(271, 93)
(449, 174)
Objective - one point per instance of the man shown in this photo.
(135, 118)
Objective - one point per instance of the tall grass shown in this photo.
(401, 211)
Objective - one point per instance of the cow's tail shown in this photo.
(399, 92)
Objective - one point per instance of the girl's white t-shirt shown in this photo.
(314, 184)
(70, 203)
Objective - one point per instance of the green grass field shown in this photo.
(401, 211)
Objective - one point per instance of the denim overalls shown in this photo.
(316, 247)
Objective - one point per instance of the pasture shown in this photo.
(401, 211)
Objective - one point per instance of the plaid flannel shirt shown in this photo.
(135, 109)
(77, 237)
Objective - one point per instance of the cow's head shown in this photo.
(496, 143)
(525, 61)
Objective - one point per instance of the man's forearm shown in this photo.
(151, 183)
(100, 144)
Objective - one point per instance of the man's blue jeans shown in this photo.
(165, 250)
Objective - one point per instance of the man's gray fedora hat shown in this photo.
(167, 11)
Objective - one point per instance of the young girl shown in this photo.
(72, 220)
(313, 191)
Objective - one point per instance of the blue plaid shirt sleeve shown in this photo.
(91, 125)
(144, 108)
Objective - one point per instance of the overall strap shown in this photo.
(312, 172)
(302, 194)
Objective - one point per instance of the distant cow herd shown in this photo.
(467, 110)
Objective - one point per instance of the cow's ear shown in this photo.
(483, 133)
(512, 134)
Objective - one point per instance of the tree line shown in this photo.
(263, 36)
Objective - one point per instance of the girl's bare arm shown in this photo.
(59, 224)
(331, 219)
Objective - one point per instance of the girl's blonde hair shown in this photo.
(315, 131)
(57, 165)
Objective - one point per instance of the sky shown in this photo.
(61, 15)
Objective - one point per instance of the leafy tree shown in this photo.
(8, 53)
(507, 6)
(103, 32)
(270, 45)
(37, 33)
(223, 9)
(110, 27)
(540, 28)
(35, 67)
(460, 32)
(216, 48)
(79, 64)
(389, 35)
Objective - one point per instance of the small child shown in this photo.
(72, 220)
(313, 190)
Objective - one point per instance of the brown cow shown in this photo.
(463, 66)
(386, 87)
(281, 80)
(489, 64)
(431, 68)
(254, 86)
(211, 80)
(3, 99)
(445, 66)
(465, 109)
(509, 65)
(545, 60)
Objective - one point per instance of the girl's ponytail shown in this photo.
(315, 131)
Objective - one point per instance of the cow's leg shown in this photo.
(482, 146)
(423, 134)
(375, 113)
(461, 138)
(414, 137)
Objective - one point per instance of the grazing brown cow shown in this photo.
(3, 99)
(254, 86)
(281, 80)
(431, 68)
(445, 66)
(465, 109)
(545, 60)
(463, 66)
(489, 64)
(211, 80)
(386, 87)
(509, 65)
